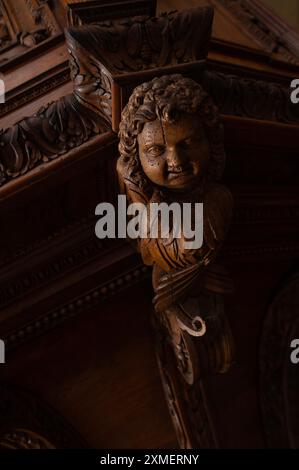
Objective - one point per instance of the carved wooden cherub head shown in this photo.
(170, 137)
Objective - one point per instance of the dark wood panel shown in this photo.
(234, 396)
(99, 370)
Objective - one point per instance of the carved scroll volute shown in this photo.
(171, 150)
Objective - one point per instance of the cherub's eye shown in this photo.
(155, 150)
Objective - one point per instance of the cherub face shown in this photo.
(174, 155)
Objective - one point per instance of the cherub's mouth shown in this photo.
(180, 174)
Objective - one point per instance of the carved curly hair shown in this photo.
(167, 97)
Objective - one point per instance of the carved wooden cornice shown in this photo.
(246, 97)
(35, 88)
(26, 28)
(75, 306)
(70, 123)
(266, 28)
(53, 130)
(234, 95)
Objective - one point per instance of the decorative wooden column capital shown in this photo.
(110, 58)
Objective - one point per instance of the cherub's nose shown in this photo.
(175, 159)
